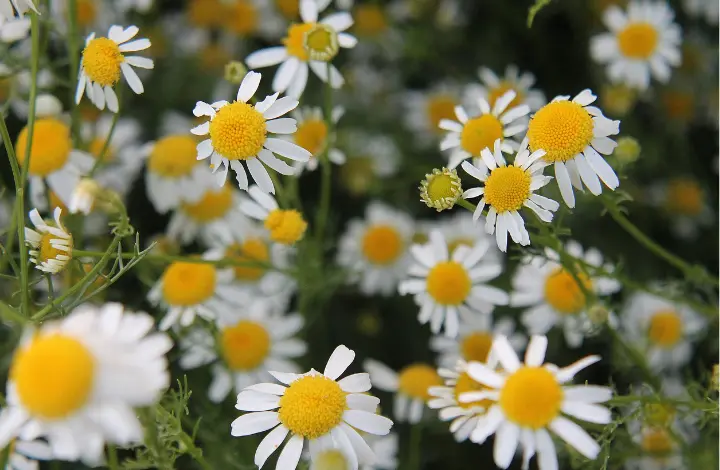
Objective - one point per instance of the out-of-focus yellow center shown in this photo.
(455, 243)
(656, 441)
(295, 40)
(564, 294)
(96, 146)
(101, 60)
(330, 460)
(238, 131)
(480, 133)
(312, 406)
(51, 146)
(311, 135)
(205, 13)
(252, 251)
(679, 104)
(47, 251)
(214, 56)
(507, 188)
(416, 379)
(86, 13)
(173, 156)
(531, 397)
(285, 226)
(357, 174)
(440, 107)
(685, 197)
(638, 40)
(465, 384)
(476, 346)
(290, 9)
(665, 328)
(617, 99)
(502, 88)
(382, 244)
(448, 283)
(562, 128)
(213, 205)
(245, 345)
(370, 20)
(187, 283)
(241, 17)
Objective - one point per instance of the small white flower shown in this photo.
(314, 136)
(493, 87)
(13, 29)
(425, 109)
(51, 245)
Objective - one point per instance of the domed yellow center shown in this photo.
(382, 244)
(51, 146)
(665, 328)
(564, 294)
(312, 406)
(245, 345)
(321, 42)
(507, 188)
(238, 131)
(285, 226)
(240, 17)
(186, 283)
(311, 135)
(254, 252)
(563, 129)
(480, 133)
(440, 107)
(370, 20)
(531, 397)
(212, 206)
(448, 283)
(173, 156)
(656, 441)
(502, 88)
(442, 186)
(416, 379)
(295, 40)
(684, 197)
(101, 60)
(54, 376)
(638, 40)
(465, 384)
(476, 346)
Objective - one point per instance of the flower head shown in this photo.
(51, 245)
(441, 189)
(285, 226)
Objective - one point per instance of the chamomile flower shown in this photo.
(425, 109)
(217, 210)
(50, 244)
(25, 454)
(663, 330)
(100, 363)
(573, 134)
(375, 26)
(238, 132)
(447, 287)
(460, 229)
(685, 203)
(312, 44)
(642, 41)
(370, 157)
(52, 158)
(659, 449)
(243, 350)
(285, 226)
(529, 399)
(375, 249)
(507, 189)
(246, 18)
(708, 9)
(410, 386)
(470, 136)
(314, 136)
(553, 296)
(493, 87)
(8, 8)
(316, 407)
(103, 61)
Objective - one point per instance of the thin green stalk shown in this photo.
(100, 158)
(74, 52)
(4, 456)
(112, 457)
(326, 182)
(466, 204)
(651, 399)
(414, 447)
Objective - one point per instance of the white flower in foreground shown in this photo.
(9, 7)
(76, 381)
(285, 226)
(552, 294)
(449, 287)
(643, 41)
(663, 330)
(51, 244)
(314, 407)
(494, 86)
(103, 61)
(312, 44)
(530, 398)
(507, 188)
(24, 454)
(573, 134)
(411, 386)
(470, 136)
(314, 136)
(238, 132)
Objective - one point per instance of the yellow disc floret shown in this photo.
(562, 128)
(440, 107)
(416, 379)
(455, 243)
(382, 244)
(370, 20)
(238, 131)
(53, 376)
(311, 135)
(254, 252)
(48, 252)
(240, 17)
(531, 397)
(440, 189)
(205, 13)
(213, 205)
(173, 156)
(465, 384)
(290, 9)
(245, 345)
(295, 40)
(101, 61)
(480, 133)
(51, 146)
(564, 294)
(656, 441)
(665, 328)
(448, 283)
(476, 346)
(685, 197)
(502, 88)
(312, 406)
(285, 226)
(185, 283)
(638, 40)
(507, 188)
(321, 43)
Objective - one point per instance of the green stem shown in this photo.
(466, 204)
(74, 52)
(194, 451)
(100, 158)
(414, 447)
(112, 457)
(651, 399)
(18, 207)
(326, 182)
(4, 457)
(637, 358)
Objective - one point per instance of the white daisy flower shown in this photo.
(708, 9)
(313, 135)
(239, 132)
(375, 249)
(448, 287)
(494, 87)
(643, 41)
(50, 244)
(375, 24)
(425, 109)
(685, 203)
(459, 229)
(658, 447)
(313, 407)
(244, 350)
(507, 189)
(217, 210)
(385, 449)
(284, 226)
(13, 29)
(663, 330)
(530, 398)
(100, 363)
(8, 8)
(245, 18)
(25, 454)
(474, 341)
(573, 134)
(369, 158)
(103, 61)
(470, 136)
(554, 298)
(312, 44)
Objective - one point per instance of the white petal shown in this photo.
(290, 455)
(602, 168)
(576, 436)
(287, 149)
(535, 354)
(280, 107)
(505, 354)
(140, 62)
(269, 444)
(587, 412)
(253, 423)
(563, 178)
(136, 45)
(266, 57)
(249, 86)
(368, 422)
(132, 78)
(506, 442)
(339, 21)
(356, 383)
(260, 175)
(339, 361)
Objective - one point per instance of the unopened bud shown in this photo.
(627, 150)
(235, 71)
(84, 196)
(598, 314)
(441, 189)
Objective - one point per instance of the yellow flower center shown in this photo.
(564, 294)
(659, 414)
(238, 131)
(290, 9)
(531, 397)
(285, 226)
(455, 243)
(101, 61)
(96, 147)
(214, 56)
(563, 129)
(188, 283)
(416, 379)
(684, 197)
(502, 88)
(507, 188)
(357, 174)
(442, 186)
(617, 99)
(251, 251)
(53, 376)
(89, 112)
(86, 13)
(295, 40)
(47, 251)
(51, 146)
(240, 17)
(312, 406)
(330, 460)
(476, 346)
(212, 206)
(205, 13)
(321, 42)
(665, 328)
(245, 345)
(638, 40)
(382, 244)
(370, 20)
(311, 135)
(173, 156)
(449, 283)
(466, 384)
(440, 107)
(678, 104)
(657, 441)
(480, 133)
